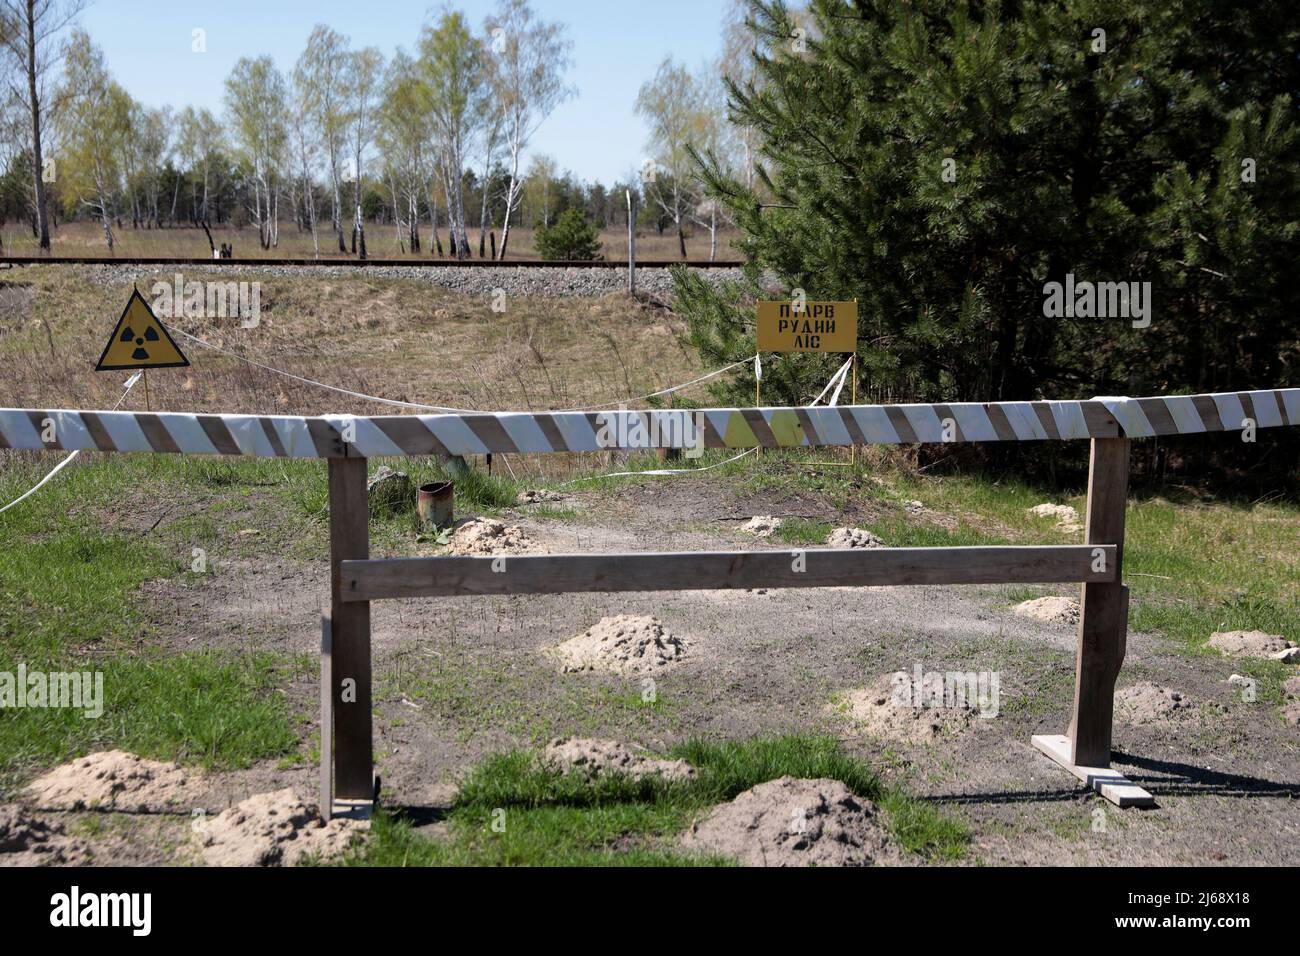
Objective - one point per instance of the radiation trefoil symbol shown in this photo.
(140, 353)
(140, 341)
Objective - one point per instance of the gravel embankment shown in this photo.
(541, 281)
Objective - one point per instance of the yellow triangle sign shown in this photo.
(140, 341)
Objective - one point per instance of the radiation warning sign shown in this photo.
(816, 327)
(140, 341)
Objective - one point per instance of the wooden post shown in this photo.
(326, 721)
(350, 634)
(1103, 610)
(671, 454)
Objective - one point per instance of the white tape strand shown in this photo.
(130, 383)
(419, 406)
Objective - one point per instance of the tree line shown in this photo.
(431, 137)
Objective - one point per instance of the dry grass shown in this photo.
(87, 239)
(398, 338)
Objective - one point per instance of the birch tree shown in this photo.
(30, 43)
(322, 71)
(402, 135)
(671, 104)
(306, 152)
(452, 64)
(197, 137)
(256, 99)
(92, 127)
(364, 76)
(526, 62)
(151, 142)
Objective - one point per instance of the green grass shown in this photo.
(514, 810)
(69, 602)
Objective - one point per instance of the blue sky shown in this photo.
(617, 44)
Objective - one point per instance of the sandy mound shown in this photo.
(853, 538)
(1067, 519)
(537, 496)
(1059, 512)
(761, 526)
(595, 757)
(1291, 688)
(789, 822)
(1050, 610)
(624, 644)
(27, 841)
(1254, 644)
(484, 536)
(272, 829)
(881, 713)
(117, 780)
(1148, 703)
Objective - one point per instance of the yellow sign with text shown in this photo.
(816, 327)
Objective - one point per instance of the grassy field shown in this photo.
(550, 818)
(83, 561)
(87, 239)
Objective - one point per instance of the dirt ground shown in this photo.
(457, 679)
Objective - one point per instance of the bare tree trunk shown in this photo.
(631, 244)
(337, 211)
(433, 216)
(512, 196)
(356, 219)
(397, 219)
(42, 216)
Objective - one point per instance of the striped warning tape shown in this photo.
(335, 436)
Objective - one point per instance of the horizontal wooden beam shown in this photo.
(379, 578)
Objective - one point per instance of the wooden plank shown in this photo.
(1111, 784)
(350, 540)
(1103, 609)
(326, 721)
(684, 571)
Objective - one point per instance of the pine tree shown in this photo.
(941, 162)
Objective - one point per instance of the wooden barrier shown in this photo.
(356, 580)
(347, 764)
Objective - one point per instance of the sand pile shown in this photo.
(27, 841)
(1067, 519)
(761, 526)
(1255, 644)
(596, 757)
(272, 829)
(1148, 703)
(487, 536)
(1050, 610)
(853, 538)
(790, 822)
(117, 780)
(537, 496)
(883, 711)
(1291, 710)
(624, 644)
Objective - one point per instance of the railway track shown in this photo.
(365, 263)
